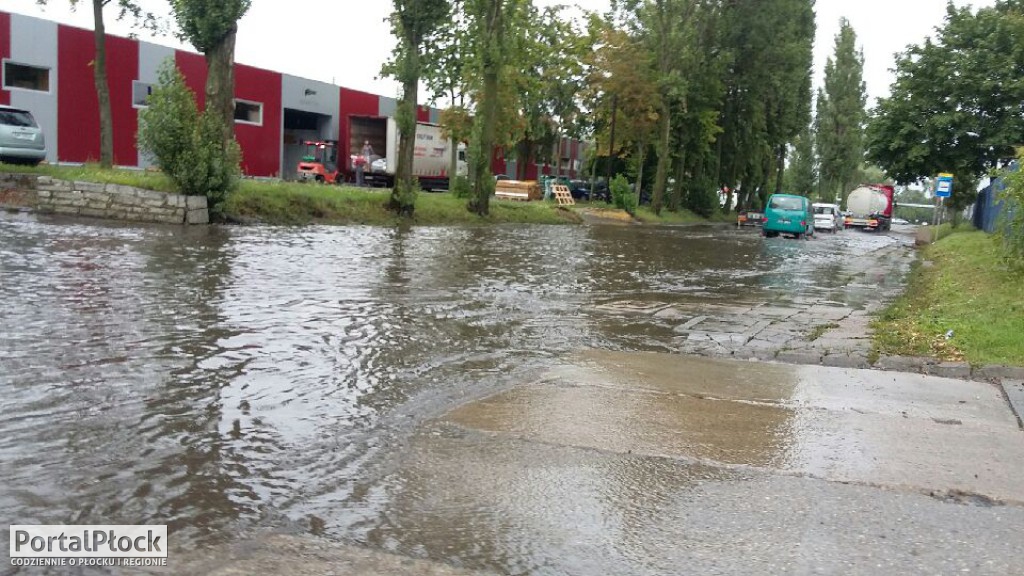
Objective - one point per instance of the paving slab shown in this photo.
(902, 431)
(1014, 390)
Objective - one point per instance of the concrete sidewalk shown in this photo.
(643, 463)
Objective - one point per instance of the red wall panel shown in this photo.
(193, 68)
(5, 50)
(261, 145)
(422, 114)
(77, 104)
(354, 102)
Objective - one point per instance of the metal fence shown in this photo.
(988, 208)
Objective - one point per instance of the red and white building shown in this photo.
(47, 70)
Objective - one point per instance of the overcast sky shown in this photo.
(346, 41)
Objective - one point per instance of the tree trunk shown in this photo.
(403, 195)
(675, 200)
(483, 184)
(220, 82)
(780, 168)
(641, 150)
(99, 71)
(664, 159)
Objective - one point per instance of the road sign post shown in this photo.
(943, 190)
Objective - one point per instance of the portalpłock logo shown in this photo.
(98, 545)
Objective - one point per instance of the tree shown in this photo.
(955, 105)
(187, 145)
(801, 175)
(99, 68)
(841, 115)
(212, 26)
(490, 23)
(445, 64)
(768, 92)
(413, 22)
(622, 67)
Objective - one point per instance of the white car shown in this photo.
(827, 217)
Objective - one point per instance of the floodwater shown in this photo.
(224, 379)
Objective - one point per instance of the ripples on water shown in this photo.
(212, 377)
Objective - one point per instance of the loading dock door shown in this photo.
(300, 126)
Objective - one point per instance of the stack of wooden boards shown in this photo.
(522, 190)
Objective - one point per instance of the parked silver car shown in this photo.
(21, 139)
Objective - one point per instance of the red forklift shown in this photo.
(320, 163)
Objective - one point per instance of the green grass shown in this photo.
(683, 216)
(291, 203)
(968, 289)
(820, 330)
(92, 173)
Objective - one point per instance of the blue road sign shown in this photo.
(944, 186)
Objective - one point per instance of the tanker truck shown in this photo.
(870, 207)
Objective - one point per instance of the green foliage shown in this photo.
(841, 116)
(622, 194)
(460, 187)
(768, 91)
(1012, 225)
(702, 197)
(801, 175)
(205, 23)
(955, 105)
(188, 145)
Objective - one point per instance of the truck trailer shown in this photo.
(870, 207)
(431, 159)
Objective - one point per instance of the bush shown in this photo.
(460, 187)
(188, 146)
(623, 195)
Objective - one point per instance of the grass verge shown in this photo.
(683, 216)
(967, 291)
(289, 203)
(91, 173)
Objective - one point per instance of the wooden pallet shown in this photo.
(563, 195)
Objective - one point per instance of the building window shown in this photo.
(141, 92)
(25, 77)
(248, 112)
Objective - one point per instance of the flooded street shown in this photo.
(491, 399)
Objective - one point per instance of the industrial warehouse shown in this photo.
(47, 70)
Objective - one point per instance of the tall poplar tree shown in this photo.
(413, 22)
(841, 115)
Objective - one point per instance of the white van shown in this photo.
(827, 217)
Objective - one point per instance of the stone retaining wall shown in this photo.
(110, 201)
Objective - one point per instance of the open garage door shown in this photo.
(300, 126)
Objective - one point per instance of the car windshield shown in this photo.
(823, 210)
(786, 203)
(18, 118)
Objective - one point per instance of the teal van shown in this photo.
(788, 214)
